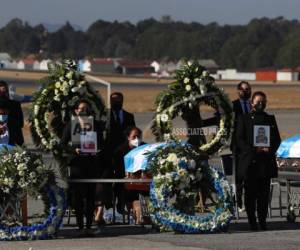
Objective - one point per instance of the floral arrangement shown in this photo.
(179, 175)
(21, 174)
(46, 230)
(54, 102)
(193, 87)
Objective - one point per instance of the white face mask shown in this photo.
(136, 142)
(3, 118)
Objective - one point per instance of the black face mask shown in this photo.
(117, 106)
(260, 107)
(84, 113)
(245, 95)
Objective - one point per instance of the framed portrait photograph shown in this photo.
(261, 136)
(88, 142)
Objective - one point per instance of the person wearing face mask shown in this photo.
(15, 119)
(134, 139)
(9, 132)
(83, 165)
(241, 106)
(120, 120)
(257, 160)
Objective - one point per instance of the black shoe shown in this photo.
(101, 222)
(253, 226)
(263, 226)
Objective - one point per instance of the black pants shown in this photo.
(257, 193)
(83, 199)
(239, 183)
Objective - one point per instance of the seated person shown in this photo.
(130, 198)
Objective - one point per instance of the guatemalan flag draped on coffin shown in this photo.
(289, 148)
(136, 159)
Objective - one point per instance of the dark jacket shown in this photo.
(116, 132)
(118, 160)
(250, 161)
(15, 121)
(86, 165)
(238, 112)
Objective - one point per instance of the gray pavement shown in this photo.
(281, 235)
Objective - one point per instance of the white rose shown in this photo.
(189, 63)
(205, 73)
(186, 80)
(188, 87)
(57, 98)
(71, 82)
(172, 158)
(164, 118)
(69, 75)
(197, 81)
(57, 85)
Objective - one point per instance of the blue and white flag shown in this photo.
(289, 148)
(6, 146)
(136, 159)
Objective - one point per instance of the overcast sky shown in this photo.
(85, 12)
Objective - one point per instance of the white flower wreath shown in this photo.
(54, 102)
(193, 87)
(177, 175)
(23, 173)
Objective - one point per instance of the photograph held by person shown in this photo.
(257, 163)
(83, 166)
(15, 118)
(130, 198)
(241, 106)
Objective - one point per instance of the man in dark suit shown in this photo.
(15, 118)
(257, 162)
(120, 121)
(241, 106)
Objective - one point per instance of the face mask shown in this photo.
(116, 106)
(136, 142)
(245, 95)
(84, 113)
(260, 107)
(3, 118)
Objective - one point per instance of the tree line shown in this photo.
(261, 43)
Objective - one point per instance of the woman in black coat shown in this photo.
(257, 160)
(83, 165)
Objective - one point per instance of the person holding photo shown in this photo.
(257, 162)
(83, 165)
